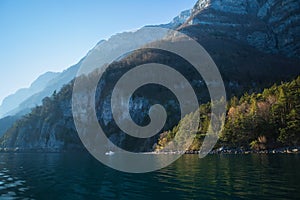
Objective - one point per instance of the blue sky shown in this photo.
(50, 35)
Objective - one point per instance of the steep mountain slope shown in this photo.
(271, 26)
(244, 40)
(245, 67)
(48, 127)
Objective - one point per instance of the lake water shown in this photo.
(80, 176)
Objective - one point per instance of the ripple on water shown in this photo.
(22, 189)
(10, 186)
(9, 195)
(65, 176)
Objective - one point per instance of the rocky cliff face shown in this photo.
(272, 26)
(49, 127)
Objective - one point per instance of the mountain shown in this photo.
(248, 39)
(12, 101)
(177, 21)
(222, 27)
(52, 85)
(23, 100)
(271, 26)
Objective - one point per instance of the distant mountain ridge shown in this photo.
(23, 100)
(12, 101)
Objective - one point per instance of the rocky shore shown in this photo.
(224, 150)
(41, 150)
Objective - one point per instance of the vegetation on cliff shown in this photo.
(259, 121)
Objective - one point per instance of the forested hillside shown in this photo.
(259, 121)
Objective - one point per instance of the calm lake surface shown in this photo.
(80, 176)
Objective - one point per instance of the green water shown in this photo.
(79, 176)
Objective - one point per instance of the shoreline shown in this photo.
(282, 150)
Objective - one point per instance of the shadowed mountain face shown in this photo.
(249, 39)
(271, 26)
(254, 44)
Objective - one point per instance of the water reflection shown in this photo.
(79, 176)
(234, 176)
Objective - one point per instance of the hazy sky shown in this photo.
(50, 35)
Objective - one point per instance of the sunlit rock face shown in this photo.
(271, 26)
